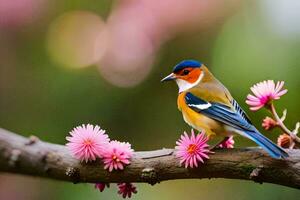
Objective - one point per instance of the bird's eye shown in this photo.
(185, 72)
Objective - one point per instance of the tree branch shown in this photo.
(33, 157)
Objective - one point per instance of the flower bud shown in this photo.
(268, 123)
(284, 140)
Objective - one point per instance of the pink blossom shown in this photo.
(191, 150)
(126, 189)
(264, 92)
(87, 142)
(228, 144)
(268, 123)
(116, 155)
(101, 186)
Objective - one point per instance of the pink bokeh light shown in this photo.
(17, 13)
(126, 45)
(137, 30)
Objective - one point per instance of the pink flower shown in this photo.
(87, 142)
(126, 189)
(101, 186)
(116, 155)
(268, 123)
(264, 92)
(191, 150)
(228, 144)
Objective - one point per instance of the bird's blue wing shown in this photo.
(240, 110)
(236, 118)
(232, 116)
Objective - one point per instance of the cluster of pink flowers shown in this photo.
(88, 142)
(264, 93)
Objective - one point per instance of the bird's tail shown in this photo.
(274, 150)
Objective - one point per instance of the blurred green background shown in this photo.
(68, 62)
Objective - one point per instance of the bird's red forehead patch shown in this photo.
(191, 77)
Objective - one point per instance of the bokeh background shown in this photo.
(68, 62)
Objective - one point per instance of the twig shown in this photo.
(282, 126)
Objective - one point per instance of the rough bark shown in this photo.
(31, 156)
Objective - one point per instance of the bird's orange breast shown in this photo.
(197, 120)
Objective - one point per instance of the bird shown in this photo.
(207, 105)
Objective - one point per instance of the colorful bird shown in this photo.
(207, 105)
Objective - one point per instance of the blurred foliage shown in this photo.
(40, 97)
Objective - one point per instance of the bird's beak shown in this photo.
(169, 78)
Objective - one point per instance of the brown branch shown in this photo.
(33, 157)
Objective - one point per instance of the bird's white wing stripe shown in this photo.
(200, 106)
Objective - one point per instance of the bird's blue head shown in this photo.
(186, 64)
(188, 70)
(187, 74)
